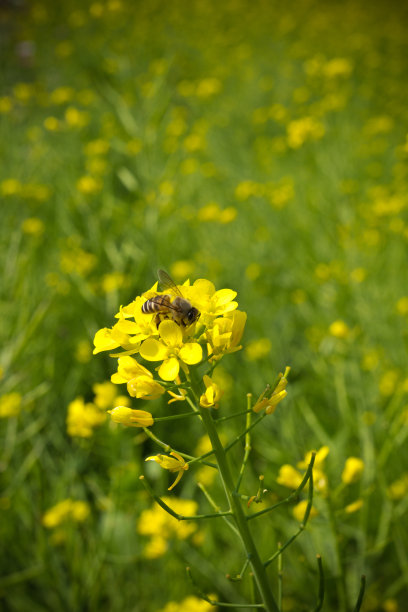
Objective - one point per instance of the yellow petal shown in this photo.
(171, 333)
(223, 296)
(103, 341)
(191, 353)
(169, 369)
(153, 350)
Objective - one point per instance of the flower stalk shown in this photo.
(238, 514)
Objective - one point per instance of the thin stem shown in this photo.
(301, 526)
(222, 604)
(216, 508)
(361, 594)
(167, 449)
(237, 510)
(320, 595)
(280, 578)
(306, 477)
(174, 417)
(179, 517)
(247, 443)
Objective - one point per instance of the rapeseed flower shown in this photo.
(10, 405)
(353, 469)
(64, 511)
(131, 418)
(173, 462)
(216, 332)
(271, 398)
(83, 417)
(171, 350)
(161, 527)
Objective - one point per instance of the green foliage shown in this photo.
(261, 145)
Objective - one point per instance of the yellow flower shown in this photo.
(139, 380)
(319, 477)
(88, 185)
(64, 511)
(339, 329)
(354, 507)
(189, 604)
(398, 489)
(225, 334)
(212, 394)
(131, 418)
(10, 405)
(352, 470)
(83, 418)
(144, 387)
(160, 526)
(289, 477)
(171, 350)
(180, 396)
(33, 226)
(173, 463)
(258, 349)
(105, 394)
(269, 400)
(300, 509)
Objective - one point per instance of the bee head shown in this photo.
(193, 314)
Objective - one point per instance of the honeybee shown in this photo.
(173, 306)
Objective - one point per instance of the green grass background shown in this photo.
(196, 104)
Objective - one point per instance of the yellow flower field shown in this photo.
(258, 153)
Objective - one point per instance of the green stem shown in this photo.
(238, 512)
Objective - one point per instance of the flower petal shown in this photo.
(153, 350)
(191, 353)
(171, 333)
(169, 369)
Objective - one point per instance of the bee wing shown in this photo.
(166, 282)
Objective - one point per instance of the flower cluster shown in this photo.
(161, 527)
(159, 338)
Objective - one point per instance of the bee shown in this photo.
(173, 306)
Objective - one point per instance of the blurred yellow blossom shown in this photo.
(83, 351)
(105, 394)
(353, 469)
(5, 105)
(10, 405)
(33, 226)
(96, 147)
(354, 506)
(88, 185)
(388, 382)
(62, 95)
(82, 418)
(339, 329)
(52, 124)
(182, 269)
(258, 349)
(402, 306)
(10, 186)
(66, 510)
(399, 488)
(300, 509)
(161, 527)
(189, 604)
(301, 130)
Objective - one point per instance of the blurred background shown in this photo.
(262, 145)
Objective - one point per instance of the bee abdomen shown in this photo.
(158, 303)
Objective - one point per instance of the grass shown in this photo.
(263, 147)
